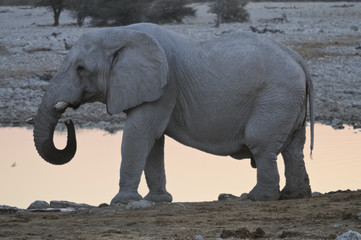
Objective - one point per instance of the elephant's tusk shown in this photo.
(61, 106)
(30, 120)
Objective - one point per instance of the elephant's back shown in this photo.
(254, 57)
(243, 44)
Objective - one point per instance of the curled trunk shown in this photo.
(45, 123)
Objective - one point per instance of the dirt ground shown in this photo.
(320, 217)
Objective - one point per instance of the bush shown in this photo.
(17, 2)
(115, 12)
(57, 6)
(230, 11)
(79, 9)
(163, 11)
(112, 12)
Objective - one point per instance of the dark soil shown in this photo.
(321, 217)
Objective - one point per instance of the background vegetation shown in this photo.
(124, 12)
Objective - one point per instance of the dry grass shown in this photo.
(312, 49)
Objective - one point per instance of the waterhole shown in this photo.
(92, 176)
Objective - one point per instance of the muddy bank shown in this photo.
(325, 34)
(320, 217)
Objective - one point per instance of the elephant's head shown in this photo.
(120, 67)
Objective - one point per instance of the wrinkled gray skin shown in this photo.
(241, 95)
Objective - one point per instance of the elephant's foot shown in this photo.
(125, 197)
(302, 191)
(264, 193)
(159, 196)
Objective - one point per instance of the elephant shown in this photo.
(240, 94)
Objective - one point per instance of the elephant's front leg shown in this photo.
(155, 174)
(142, 150)
(134, 155)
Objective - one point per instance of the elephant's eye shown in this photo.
(80, 70)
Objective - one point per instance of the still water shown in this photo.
(92, 176)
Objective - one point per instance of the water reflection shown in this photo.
(192, 175)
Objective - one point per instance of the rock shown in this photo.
(359, 215)
(336, 225)
(103, 205)
(226, 196)
(101, 124)
(243, 233)
(354, 28)
(119, 205)
(39, 205)
(198, 237)
(7, 209)
(244, 196)
(139, 204)
(3, 50)
(66, 204)
(337, 124)
(350, 235)
(259, 233)
(316, 194)
(37, 49)
(49, 210)
(287, 234)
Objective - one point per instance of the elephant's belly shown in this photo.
(216, 149)
(210, 141)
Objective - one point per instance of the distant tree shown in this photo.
(218, 10)
(80, 9)
(57, 6)
(161, 11)
(124, 12)
(115, 12)
(229, 11)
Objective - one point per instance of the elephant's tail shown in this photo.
(310, 94)
(311, 100)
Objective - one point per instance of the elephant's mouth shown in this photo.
(62, 106)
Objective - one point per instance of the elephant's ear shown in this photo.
(138, 71)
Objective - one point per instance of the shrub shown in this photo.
(230, 11)
(57, 6)
(162, 11)
(79, 9)
(114, 12)
(17, 2)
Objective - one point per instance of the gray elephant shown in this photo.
(241, 95)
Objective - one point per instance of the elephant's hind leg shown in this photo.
(267, 187)
(155, 174)
(297, 181)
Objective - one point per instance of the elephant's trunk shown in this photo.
(45, 123)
